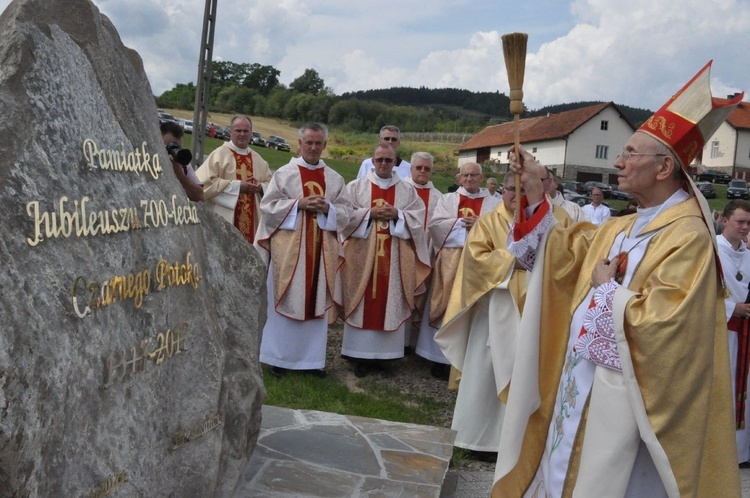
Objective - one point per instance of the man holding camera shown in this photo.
(172, 134)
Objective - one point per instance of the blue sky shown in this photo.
(636, 53)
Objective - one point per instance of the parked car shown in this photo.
(619, 194)
(165, 116)
(577, 187)
(188, 126)
(707, 189)
(581, 200)
(606, 189)
(738, 190)
(258, 139)
(277, 143)
(713, 176)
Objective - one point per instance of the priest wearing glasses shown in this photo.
(621, 378)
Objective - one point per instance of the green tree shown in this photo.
(180, 97)
(262, 78)
(228, 73)
(309, 82)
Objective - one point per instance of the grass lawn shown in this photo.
(299, 391)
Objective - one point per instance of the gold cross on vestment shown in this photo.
(242, 168)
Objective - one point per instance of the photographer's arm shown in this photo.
(193, 190)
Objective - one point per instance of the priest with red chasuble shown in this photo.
(304, 209)
(386, 262)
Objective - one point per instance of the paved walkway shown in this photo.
(478, 484)
(304, 453)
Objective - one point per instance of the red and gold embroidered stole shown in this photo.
(244, 212)
(468, 206)
(376, 293)
(313, 183)
(424, 194)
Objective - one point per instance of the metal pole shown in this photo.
(203, 88)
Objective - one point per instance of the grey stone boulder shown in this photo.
(130, 318)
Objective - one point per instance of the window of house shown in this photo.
(605, 124)
(602, 151)
(533, 151)
(714, 149)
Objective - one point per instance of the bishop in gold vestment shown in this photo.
(621, 381)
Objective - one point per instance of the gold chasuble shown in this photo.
(673, 347)
(313, 183)
(244, 214)
(376, 293)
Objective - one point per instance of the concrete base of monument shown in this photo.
(310, 453)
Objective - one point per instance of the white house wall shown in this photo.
(583, 142)
(578, 152)
(726, 136)
(743, 149)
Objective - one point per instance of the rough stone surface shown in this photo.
(93, 403)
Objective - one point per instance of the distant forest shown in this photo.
(254, 89)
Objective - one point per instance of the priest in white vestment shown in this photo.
(421, 173)
(304, 208)
(735, 261)
(389, 135)
(550, 183)
(386, 262)
(234, 177)
(454, 217)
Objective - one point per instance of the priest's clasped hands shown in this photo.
(314, 203)
(385, 212)
(250, 186)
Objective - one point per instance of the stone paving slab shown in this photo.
(304, 453)
(479, 484)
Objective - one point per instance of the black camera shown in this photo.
(182, 156)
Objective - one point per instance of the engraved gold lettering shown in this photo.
(113, 482)
(183, 437)
(137, 161)
(87, 310)
(32, 210)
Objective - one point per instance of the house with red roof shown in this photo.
(728, 149)
(579, 145)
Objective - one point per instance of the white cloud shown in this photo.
(636, 53)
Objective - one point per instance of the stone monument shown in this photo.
(130, 317)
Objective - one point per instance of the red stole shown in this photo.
(468, 206)
(376, 293)
(244, 212)
(424, 194)
(740, 325)
(313, 183)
